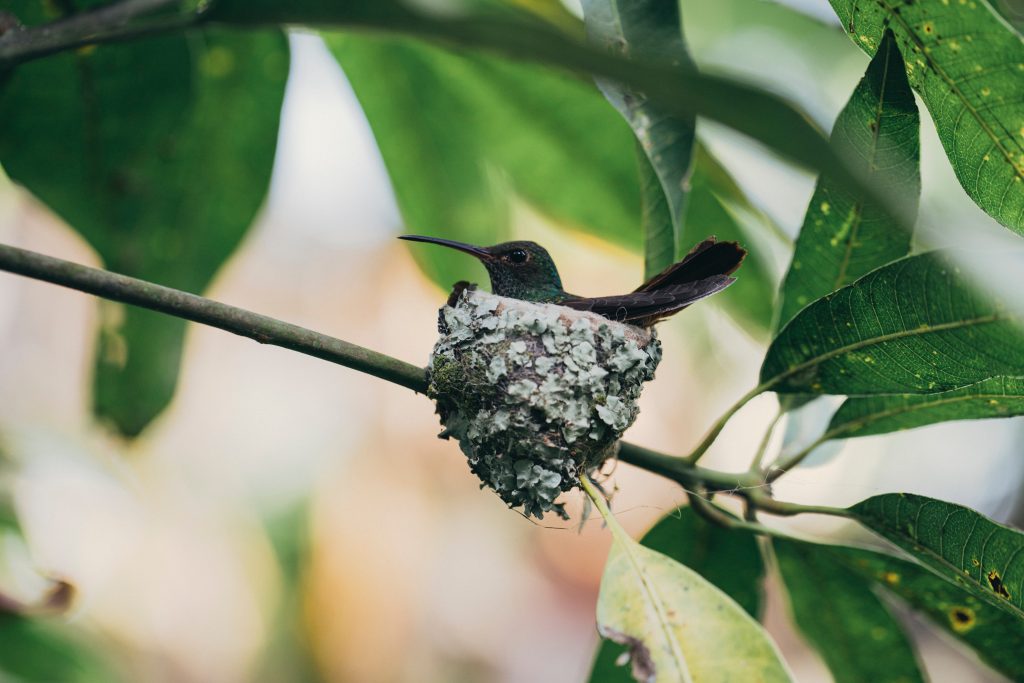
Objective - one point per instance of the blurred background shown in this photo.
(288, 519)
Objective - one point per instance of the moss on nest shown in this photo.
(535, 394)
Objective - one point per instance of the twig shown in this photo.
(682, 472)
(264, 329)
(755, 465)
(707, 509)
(761, 500)
(719, 425)
(116, 21)
(792, 461)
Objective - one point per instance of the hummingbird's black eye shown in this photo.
(517, 256)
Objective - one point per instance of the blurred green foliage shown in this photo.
(159, 153)
(839, 615)
(31, 649)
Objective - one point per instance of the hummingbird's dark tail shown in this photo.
(707, 259)
(701, 273)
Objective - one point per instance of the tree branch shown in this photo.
(117, 21)
(264, 329)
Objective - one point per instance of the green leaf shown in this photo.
(33, 650)
(868, 415)
(650, 31)
(914, 326)
(655, 220)
(845, 622)
(996, 637)
(843, 236)
(159, 153)
(982, 557)
(729, 560)
(678, 626)
(968, 67)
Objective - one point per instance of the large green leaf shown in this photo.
(847, 624)
(728, 559)
(159, 153)
(984, 558)
(843, 236)
(914, 326)
(678, 626)
(996, 637)
(867, 415)
(968, 67)
(650, 31)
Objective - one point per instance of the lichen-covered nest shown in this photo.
(535, 394)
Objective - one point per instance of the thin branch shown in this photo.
(762, 449)
(116, 21)
(792, 461)
(682, 472)
(707, 509)
(761, 500)
(264, 329)
(699, 482)
(719, 425)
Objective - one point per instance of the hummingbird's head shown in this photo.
(521, 270)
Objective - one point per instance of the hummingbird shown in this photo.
(524, 270)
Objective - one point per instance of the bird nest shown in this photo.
(535, 394)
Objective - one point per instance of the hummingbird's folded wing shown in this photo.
(647, 307)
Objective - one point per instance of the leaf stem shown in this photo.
(264, 329)
(719, 424)
(755, 465)
(792, 461)
(601, 503)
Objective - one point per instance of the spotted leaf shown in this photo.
(843, 236)
(982, 557)
(968, 66)
(914, 326)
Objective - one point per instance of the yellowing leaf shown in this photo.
(679, 627)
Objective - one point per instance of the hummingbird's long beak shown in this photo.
(479, 252)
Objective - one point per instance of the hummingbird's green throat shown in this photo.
(524, 270)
